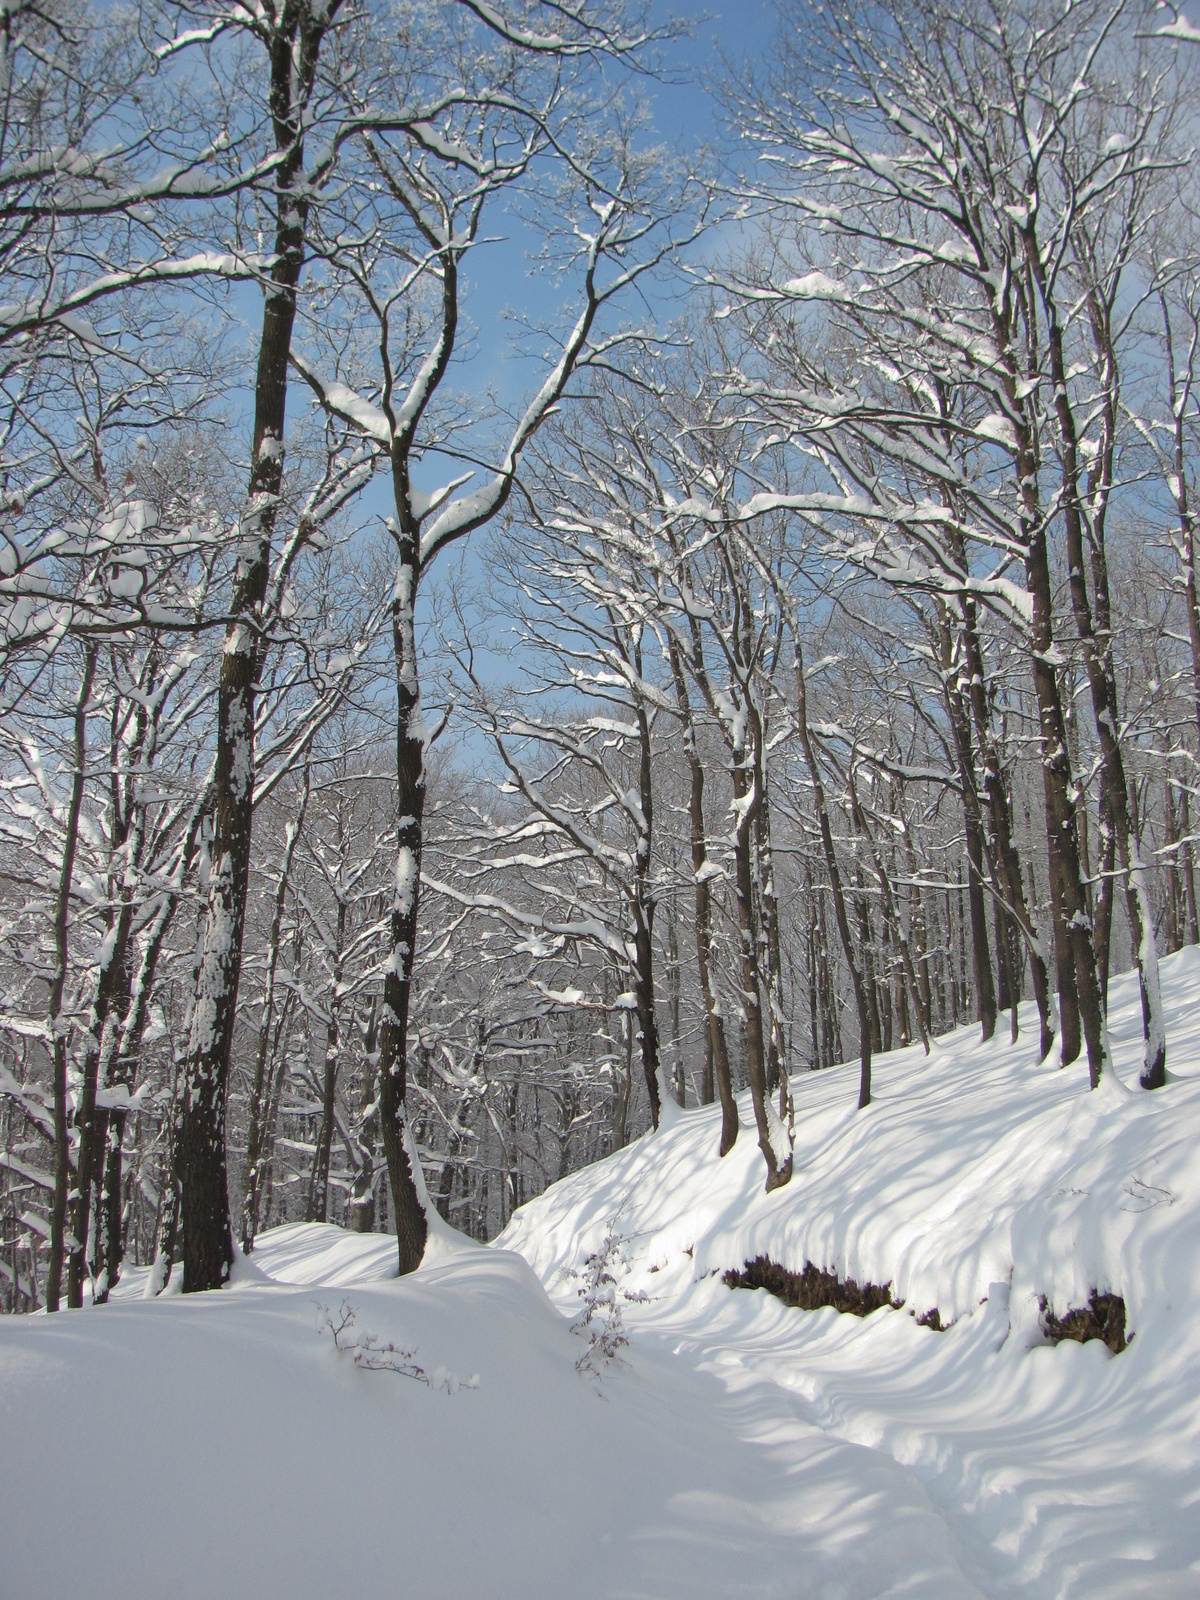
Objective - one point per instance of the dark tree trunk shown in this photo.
(643, 913)
(1079, 988)
(814, 1021)
(1016, 920)
(411, 1225)
(835, 883)
(256, 1144)
(361, 1205)
(1189, 874)
(92, 1123)
(318, 1194)
(1094, 631)
(746, 800)
(716, 1048)
(771, 961)
(207, 1235)
(743, 737)
(675, 996)
(1095, 635)
(64, 1168)
(906, 977)
(1171, 853)
(125, 1063)
(960, 723)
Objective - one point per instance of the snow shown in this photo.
(739, 1448)
(1180, 28)
(248, 1459)
(978, 1181)
(345, 402)
(815, 286)
(999, 429)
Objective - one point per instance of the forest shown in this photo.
(515, 622)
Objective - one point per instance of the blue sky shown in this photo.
(502, 282)
(502, 279)
(735, 31)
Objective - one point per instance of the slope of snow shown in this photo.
(220, 1445)
(978, 1182)
(217, 1445)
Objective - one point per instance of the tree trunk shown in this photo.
(123, 1072)
(411, 1225)
(716, 1048)
(1079, 988)
(1008, 864)
(64, 1169)
(773, 1138)
(318, 1193)
(207, 1235)
(643, 915)
(960, 724)
(1095, 635)
(259, 1087)
(1189, 873)
(361, 1205)
(835, 883)
(90, 1122)
(907, 976)
(771, 963)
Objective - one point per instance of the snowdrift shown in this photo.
(983, 1184)
(220, 1445)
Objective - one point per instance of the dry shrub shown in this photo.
(1102, 1318)
(812, 1288)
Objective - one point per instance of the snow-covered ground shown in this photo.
(220, 1445)
(978, 1181)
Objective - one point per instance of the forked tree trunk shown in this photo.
(90, 1121)
(742, 733)
(1095, 635)
(1079, 988)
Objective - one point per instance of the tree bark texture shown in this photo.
(294, 45)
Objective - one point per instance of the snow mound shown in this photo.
(240, 1455)
(319, 1253)
(221, 1444)
(979, 1183)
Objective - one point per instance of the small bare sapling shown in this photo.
(370, 1353)
(601, 1320)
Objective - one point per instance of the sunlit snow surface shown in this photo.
(217, 1445)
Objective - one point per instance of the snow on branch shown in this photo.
(588, 33)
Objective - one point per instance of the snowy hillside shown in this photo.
(740, 1447)
(978, 1183)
